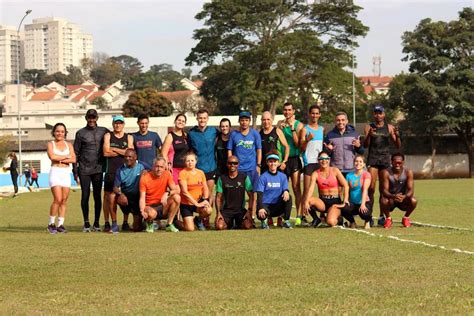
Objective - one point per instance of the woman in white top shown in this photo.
(62, 155)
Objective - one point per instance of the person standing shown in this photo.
(221, 146)
(146, 143)
(230, 200)
(378, 136)
(291, 129)
(34, 177)
(13, 168)
(176, 146)
(27, 174)
(115, 144)
(62, 155)
(88, 145)
(273, 140)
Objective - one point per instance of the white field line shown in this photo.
(440, 226)
(410, 241)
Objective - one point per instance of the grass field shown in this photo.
(299, 271)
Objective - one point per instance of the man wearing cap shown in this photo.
(88, 146)
(146, 143)
(273, 196)
(115, 145)
(378, 136)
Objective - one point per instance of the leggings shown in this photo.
(15, 181)
(33, 181)
(86, 180)
(277, 209)
(350, 210)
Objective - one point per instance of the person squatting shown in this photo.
(241, 175)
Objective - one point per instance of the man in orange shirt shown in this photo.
(159, 196)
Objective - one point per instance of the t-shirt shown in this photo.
(314, 146)
(155, 187)
(272, 186)
(195, 182)
(245, 148)
(146, 147)
(128, 179)
(203, 142)
(233, 190)
(114, 163)
(355, 186)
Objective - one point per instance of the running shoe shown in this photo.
(304, 222)
(406, 222)
(286, 225)
(270, 221)
(96, 227)
(156, 226)
(388, 222)
(61, 229)
(298, 221)
(279, 221)
(316, 222)
(52, 229)
(199, 224)
(125, 227)
(149, 227)
(115, 228)
(107, 227)
(265, 224)
(381, 221)
(86, 228)
(171, 228)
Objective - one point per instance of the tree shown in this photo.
(263, 38)
(187, 72)
(130, 69)
(4, 146)
(161, 77)
(87, 64)
(58, 77)
(149, 102)
(33, 76)
(441, 76)
(106, 73)
(101, 103)
(74, 75)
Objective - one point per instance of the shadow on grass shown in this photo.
(35, 229)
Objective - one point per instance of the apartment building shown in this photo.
(52, 44)
(9, 46)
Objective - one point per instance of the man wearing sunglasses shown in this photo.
(230, 201)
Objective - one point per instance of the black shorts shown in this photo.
(133, 204)
(159, 210)
(109, 179)
(212, 175)
(310, 168)
(293, 165)
(352, 209)
(233, 220)
(328, 202)
(380, 166)
(187, 210)
(398, 205)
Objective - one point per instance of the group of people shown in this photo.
(175, 180)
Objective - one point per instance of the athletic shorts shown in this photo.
(293, 165)
(132, 206)
(398, 205)
(159, 210)
(60, 177)
(187, 210)
(234, 220)
(310, 168)
(328, 202)
(109, 179)
(211, 175)
(380, 166)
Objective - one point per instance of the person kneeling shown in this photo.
(231, 188)
(397, 190)
(155, 202)
(273, 197)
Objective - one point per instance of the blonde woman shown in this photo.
(62, 155)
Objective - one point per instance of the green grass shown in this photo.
(309, 271)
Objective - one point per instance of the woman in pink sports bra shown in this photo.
(328, 179)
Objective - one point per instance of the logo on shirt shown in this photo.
(144, 144)
(273, 184)
(248, 144)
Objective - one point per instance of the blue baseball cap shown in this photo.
(118, 118)
(273, 156)
(245, 114)
(379, 108)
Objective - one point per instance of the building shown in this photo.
(53, 44)
(9, 45)
(376, 84)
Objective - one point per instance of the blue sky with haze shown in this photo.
(160, 31)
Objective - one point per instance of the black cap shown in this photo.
(91, 113)
(379, 108)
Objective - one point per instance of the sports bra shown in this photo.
(327, 183)
(58, 152)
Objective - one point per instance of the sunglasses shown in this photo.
(324, 158)
(234, 163)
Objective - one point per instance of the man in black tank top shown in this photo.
(378, 136)
(397, 189)
(273, 139)
(115, 145)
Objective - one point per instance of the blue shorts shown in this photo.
(253, 176)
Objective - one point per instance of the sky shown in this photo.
(160, 31)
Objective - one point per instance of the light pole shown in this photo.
(19, 90)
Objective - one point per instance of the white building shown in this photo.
(9, 46)
(52, 44)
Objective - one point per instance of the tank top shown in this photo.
(270, 142)
(294, 151)
(113, 163)
(58, 152)
(327, 183)
(180, 147)
(221, 154)
(397, 185)
(314, 146)
(379, 147)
